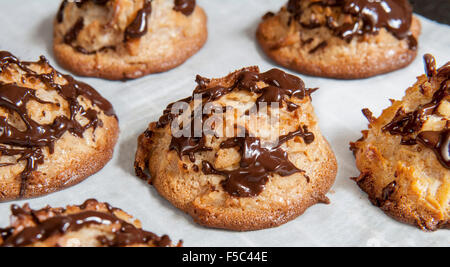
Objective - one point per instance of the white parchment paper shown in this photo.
(350, 220)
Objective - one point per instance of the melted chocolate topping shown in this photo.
(72, 34)
(60, 14)
(406, 124)
(6, 232)
(136, 29)
(318, 47)
(280, 86)
(439, 142)
(139, 26)
(28, 143)
(257, 162)
(186, 7)
(430, 65)
(79, 3)
(128, 234)
(388, 191)
(369, 17)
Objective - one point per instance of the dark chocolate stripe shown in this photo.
(369, 17)
(257, 164)
(139, 26)
(135, 30)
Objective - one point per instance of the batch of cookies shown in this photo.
(56, 131)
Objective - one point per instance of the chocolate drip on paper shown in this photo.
(407, 124)
(369, 17)
(258, 163)
(60, 224)
(28, 144)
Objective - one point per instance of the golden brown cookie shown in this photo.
(345, 39)
(127, 39)
(92, 224)
(251, 154)
(404, 157)
(55, 131)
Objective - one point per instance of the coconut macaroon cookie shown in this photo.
(126, 39)
(251, 155)
(404, 157)
(54, 130)
(346, 39)
(92, 224)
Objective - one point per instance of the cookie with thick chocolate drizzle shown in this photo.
(404, 157)
(126, 39)
(231, 168)
(54, 131)
(92, 224)
(346, 39)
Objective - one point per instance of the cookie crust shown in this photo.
(157, 51)
(291, 45)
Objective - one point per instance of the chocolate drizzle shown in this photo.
(368, 18)
(186, 7)
(318, 47)
(407, 124)
(139, 26)
(126, 235)
(72, 34)
(27, 144)
(135, 30)
(439, 142)
(280, 86)
(304, 133)
(60, 14)
(258, 163)
(79, 3)
(430, 66)
(388, 191)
